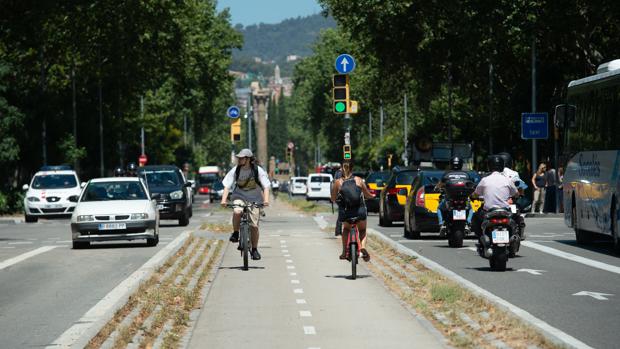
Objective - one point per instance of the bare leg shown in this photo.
(236, 220)
(254, 236)
(346, 227)
(361, 226)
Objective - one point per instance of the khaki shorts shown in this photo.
(254, 212)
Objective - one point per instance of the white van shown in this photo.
(319, 186)
(297, 185)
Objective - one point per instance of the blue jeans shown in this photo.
(442, 206)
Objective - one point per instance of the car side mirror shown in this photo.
(74, 198)
(187, 184)
(402, 191)
(82, 185)
(25, 187)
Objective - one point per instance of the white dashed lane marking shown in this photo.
(294, 281)
(305, 313)
(298, 291)
(300, 301)
(309, 330)
(290, 267)
(289, 261)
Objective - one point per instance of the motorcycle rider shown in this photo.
(118, 172)
(455, 173)
(132, 170)
(521, 186)
(496, 190)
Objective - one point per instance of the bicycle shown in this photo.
(353, 244)
(244, 229)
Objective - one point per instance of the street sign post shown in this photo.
(345, 63)
(534, 126)
(142, 160)
(233, 112)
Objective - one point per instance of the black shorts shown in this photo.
(360, 213)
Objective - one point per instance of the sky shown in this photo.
(249, 12)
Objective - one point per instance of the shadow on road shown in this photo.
(488, 269)
(601, 244)
(348, 277)
(116, 245)
(241, 268)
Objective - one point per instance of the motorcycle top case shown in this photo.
(459, 189)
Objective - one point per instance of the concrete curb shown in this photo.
(87, 327)
(551, 333)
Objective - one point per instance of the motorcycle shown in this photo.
(499, 238)
(457, 206)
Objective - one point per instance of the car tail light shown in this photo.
(392, 191)
(203, 190)
(499, 220)
(419, 197)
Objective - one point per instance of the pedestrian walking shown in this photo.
(539, 182)
(560, 189)
(550, 190)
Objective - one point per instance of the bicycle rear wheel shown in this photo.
(353, 254)
(245, 245)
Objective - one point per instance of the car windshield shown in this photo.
(105, 191)
(207, 178)
(405, 178)
(162, 178)
(301, 181)
(54, 181)
(319, 179)
(373, 177)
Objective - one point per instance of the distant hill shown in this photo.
(274, 42)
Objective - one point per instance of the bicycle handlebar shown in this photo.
(249, 205)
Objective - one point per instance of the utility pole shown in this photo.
(490, 108)
(450, 112)
(74, 107)
(405, 133)
(534, 148)
(142, 128)
(381, 121)
(100, 93)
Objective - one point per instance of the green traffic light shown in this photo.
(347, 156)
(340, 107)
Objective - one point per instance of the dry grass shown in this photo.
(195, 260)
(219, 228)
(431, 293)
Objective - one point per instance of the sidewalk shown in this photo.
(299, 296)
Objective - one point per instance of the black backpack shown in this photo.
(254, 169)
(350, 195)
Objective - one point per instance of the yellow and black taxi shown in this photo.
(376, 182)
(420, 211)
(394, 195)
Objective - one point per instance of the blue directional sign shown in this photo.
(233, 112)
(534, 126)
(345, 63)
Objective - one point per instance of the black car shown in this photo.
(215, 191)
(172, 192)
(394, 195)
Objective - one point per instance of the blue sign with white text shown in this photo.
(534, 126)
(233, 112)
(345, 63)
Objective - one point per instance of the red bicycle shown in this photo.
(353, 246)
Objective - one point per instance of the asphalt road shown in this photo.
(44, 294)
(552, 288)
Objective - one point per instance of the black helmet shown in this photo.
(456, 164)
(507, 159)
(132, 169)
(496, 163)
(118, 172)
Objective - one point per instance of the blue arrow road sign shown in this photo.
(534, 126)
(345, 63)
(233, 112)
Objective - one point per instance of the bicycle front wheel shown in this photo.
(353, 254)
(245, 245)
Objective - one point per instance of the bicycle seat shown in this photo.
(352, 220)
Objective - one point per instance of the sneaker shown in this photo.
(255, 255)
(442, 231)
(467, 229)
(234, 237)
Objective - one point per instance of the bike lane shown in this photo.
(300, 296)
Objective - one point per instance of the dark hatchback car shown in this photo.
(422, 202)
(394, 195)
(376, 182)
(168, 186)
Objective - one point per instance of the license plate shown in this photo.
(500, 237)
(112, 226)
(513, 208)
(53, 206)
(316, 189)
(458, 215)
(160, 207)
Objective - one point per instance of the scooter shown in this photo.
(499, 238)
(457, 206)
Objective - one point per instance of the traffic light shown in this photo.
(235, 130)
(346, 152)
(341, 93)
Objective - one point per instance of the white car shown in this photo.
(53, 191)
(116, 208)
(319, 186)
(297, 185)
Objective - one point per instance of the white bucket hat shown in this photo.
(245, 153)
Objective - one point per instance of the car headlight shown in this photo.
(139, 216)
(85, 218)
(175, 195)
(33, 199)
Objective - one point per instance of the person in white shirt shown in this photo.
(251, 185)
